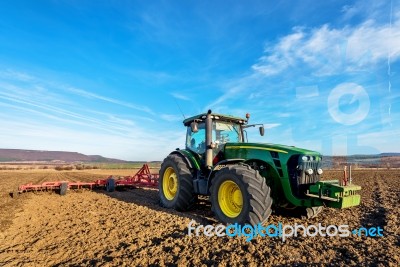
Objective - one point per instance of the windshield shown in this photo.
(224, 132)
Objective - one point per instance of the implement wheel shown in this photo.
(63, 188)
(14, 194)
(110, 185)
(308, 213)
(239, 194)
(176, 184)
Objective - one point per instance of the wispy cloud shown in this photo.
(234, 88)
(16, 75)
(44, 114)
(138, 145)
(62, 115)
(326, 50)
(180, 96)
(39, 84)
(91, 95)
(379, 140)
(271, 125)
(171, 117)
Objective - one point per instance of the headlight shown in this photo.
(304, 158)
(309, 171)
(320, 171)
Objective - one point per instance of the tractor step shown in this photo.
(323, 197)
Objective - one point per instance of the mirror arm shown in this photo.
(252, 125)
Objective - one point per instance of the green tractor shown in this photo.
(246, 180)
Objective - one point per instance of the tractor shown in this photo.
(245, 181)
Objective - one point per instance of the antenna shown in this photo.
(176, 102)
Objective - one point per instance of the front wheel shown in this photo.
(239, 194)
(176, 184)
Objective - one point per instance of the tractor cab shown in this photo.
(222, 132)
(208, 133)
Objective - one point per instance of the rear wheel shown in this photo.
(176, 184)
(239, 194)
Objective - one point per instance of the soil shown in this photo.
(129, 228)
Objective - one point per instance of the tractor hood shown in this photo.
(290, 150)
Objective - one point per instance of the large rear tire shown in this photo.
(176, 184)
(239, 194)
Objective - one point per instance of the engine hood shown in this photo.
(271, 147)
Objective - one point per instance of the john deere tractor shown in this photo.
(246, 180)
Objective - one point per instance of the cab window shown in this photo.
(225, 132)
(197, 141)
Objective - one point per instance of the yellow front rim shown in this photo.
(170, 183)
(230, 199)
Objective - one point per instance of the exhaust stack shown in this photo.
(209, 151)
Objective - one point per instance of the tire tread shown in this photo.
(186, 198)
(258, 193)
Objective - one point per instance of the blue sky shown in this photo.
(105, 77)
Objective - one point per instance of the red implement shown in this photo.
(143, 178)
(48, 186)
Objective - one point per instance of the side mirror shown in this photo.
(194, 127)
(262, 130)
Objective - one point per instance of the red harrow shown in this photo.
(143, 178)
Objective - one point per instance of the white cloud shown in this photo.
(117, 120)
(327, 50)
(180, 96)
(138, 145)
(16, 75)
(91, 95)
(234, 89)
(271, 125)
(307, 91)
(37, 114)
(386, 140)
(171, 117)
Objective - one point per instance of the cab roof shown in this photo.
(215, 116)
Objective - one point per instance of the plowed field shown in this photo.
(129, 228)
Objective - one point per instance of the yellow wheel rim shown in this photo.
(170, 183)
(230, 199)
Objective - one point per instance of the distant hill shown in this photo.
(390, 154)
(16, 155)
(383, 160)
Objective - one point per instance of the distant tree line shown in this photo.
(78, 167)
